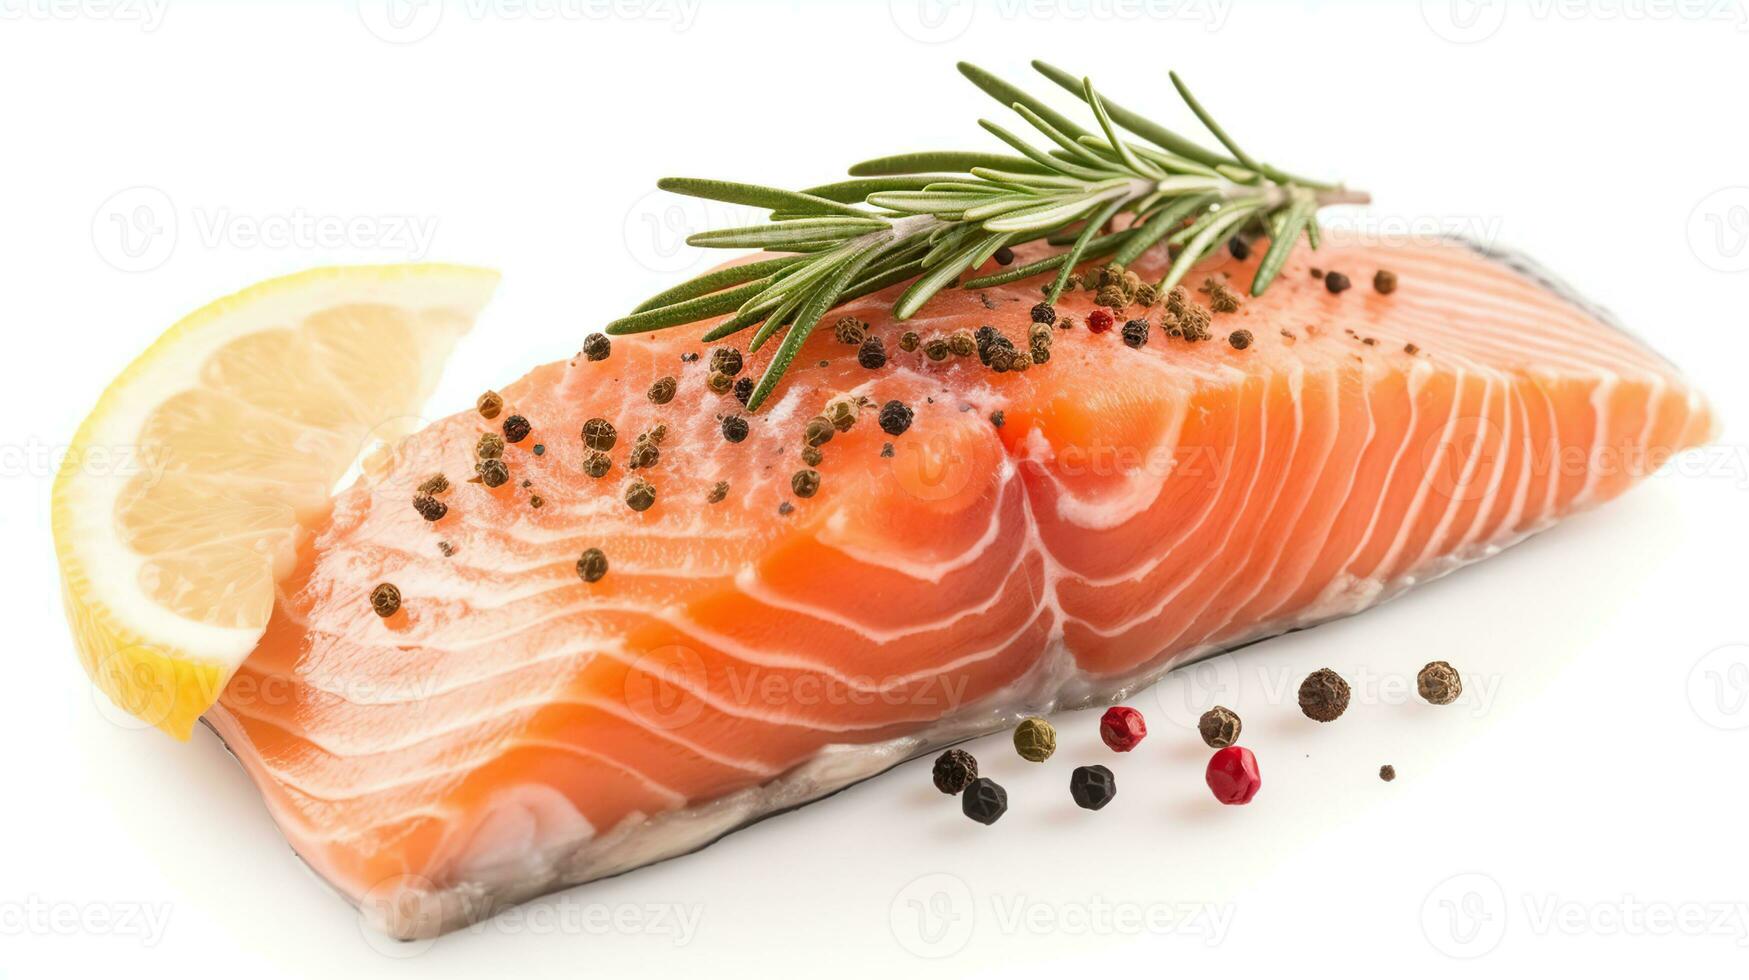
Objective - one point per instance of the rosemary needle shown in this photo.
(932, 216)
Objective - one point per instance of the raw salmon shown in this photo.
(1034, 541)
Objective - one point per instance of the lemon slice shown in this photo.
(183, 496)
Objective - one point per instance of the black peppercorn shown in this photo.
(954, 769)
(489, 405)
(873, 354)
(1387, 773)
(1239, 248)
(734, 428)
(1092, 786)
(540, 450)
(596, 464)
(1240, 339)
(516, 428)
(1004, 256)
(984, 801)
(429, 507)
(386, 600)
(726, 360)
(1044, 313)
(895, 418)
(743, 390)
(1324, 695)
(1135, 332)
(640, 495)
(596, 347)
(662, 390)
(492, 472)
(599, 434)
(1336, 282)
(997, 418)
(1439, 683)
(805, 483)
(1219, 727)
(592, 566)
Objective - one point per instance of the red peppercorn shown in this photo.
(1122, 728)
(1099, 321)
(1233, 775)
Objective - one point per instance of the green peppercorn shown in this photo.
(385, 599)
(818, 431)
(599, 434)
(909, 341)
(1040, 333)
(727, 360)
(593, 565)
(490, 446)
(1035, 740)
(937, 348)
(805, 483)
(1040, 353)
(719, 382)
(489, 405)
(596, 464)
(812, 456)
(435, 485)
(596, 347)
(516, 428)
(640, 495)
(429, 507)
(540, 450)
(961, 344)
(662, 390)
(734, 428)
(842, 412)
(493, 472)
(643, 456)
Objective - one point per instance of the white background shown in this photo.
(1584, 803)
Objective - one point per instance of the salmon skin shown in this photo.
(515, 729)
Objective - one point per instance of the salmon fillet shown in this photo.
(515, 729)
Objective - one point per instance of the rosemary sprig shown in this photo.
(932, 216)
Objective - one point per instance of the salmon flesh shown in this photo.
(1035, 541)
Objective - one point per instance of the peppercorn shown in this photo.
(1439, 683)
(937, 348)
(1065, 322)
(446, 548)
(1092, 786)
(909, 341)
(1099, 321)
(1040, 353)
(873, 354)
(599, 434)
(1001, 357)
(1135, 333)
(1317, 273)
(718, 492)
(516, 428)
(718, 382)
(1004, 256)
(536, 501)
(1324, 695)
(984, 801)
(1384, 282)
(1176, 300)
(1147, 294)
(954, 769)
(662, 390)
(489, 405)
(997, 418)
(785, 509)
(743, 390)
(430, 507)
(1239, 248)
(492, 472)
(805, 483)
(1035, 740)
(643, 456)
(812, 456)
(1122, 728)
(596, 347)
(1411, 349)
(1018, 361)
(850, 331)
(1044, 313)
(818, 431)
(1195, 321)
(895, 418)
(726, 360)
(961, 344)
(1387, 773)
(1223, 300)
(1240, 339)
(490, 446)
(1233, 776)
(1219, 727)
(593, 565)
(596, 464)
(386, 600)
(540, 450)
(435, 485)
(1040, 334)
(1336, 282)
(733, 427)
(1112, 296)
(842, 412)
(640, 495)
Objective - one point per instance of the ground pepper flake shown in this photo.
(735, 428)
(895, 418)
(954, 770)
(597, 347)
(1240, 339)
(1439, 683)
(516, 428)
(1411, 349)
(662, 390)
(718, 493)
(1324, 695)
(536, 501)
(1387, 773)
(385, 600)
(492, 472)
(1336, 282)
(640, 495)
(599, 434)
(805, 483)
(593, 565)
(785, 509)
(998, 419)
(445, 548)
(1384, 282)
(429, 507)
(1219, 727)
(1035, 740)
(489, 405)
